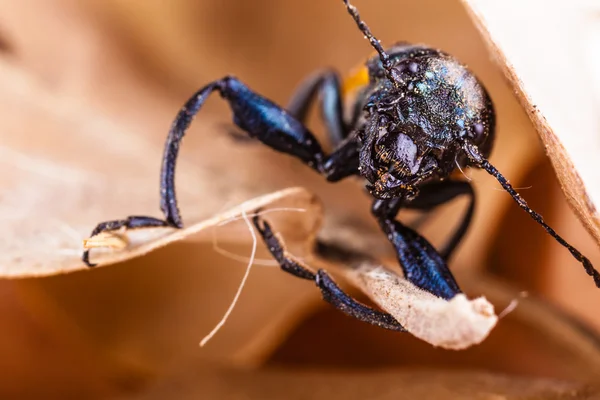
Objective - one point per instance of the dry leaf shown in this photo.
(456, 324)
(559, 89)
(129, 243)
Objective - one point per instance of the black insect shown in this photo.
(417, 116)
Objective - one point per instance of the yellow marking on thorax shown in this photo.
(356, 80)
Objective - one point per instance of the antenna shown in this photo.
(482, 162)
(375, 43)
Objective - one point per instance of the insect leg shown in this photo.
(326, 84)
(421, 263)
(330, 291)
(434, 194)
(275, 245)
(259, 118)
(131, 222)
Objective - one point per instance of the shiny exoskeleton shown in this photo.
(405, 122)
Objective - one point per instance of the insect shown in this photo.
(417, 116)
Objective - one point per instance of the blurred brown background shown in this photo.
(124, 68)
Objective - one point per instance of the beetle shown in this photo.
(417, 115)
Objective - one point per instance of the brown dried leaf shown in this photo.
(130, 243)
(549, 53)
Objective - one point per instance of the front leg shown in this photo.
(421, 263)
(131, 222)
(260, 118)
(434, 194)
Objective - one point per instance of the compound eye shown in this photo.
(410, 67)
(413, 67)
(478, 128)
(478, 132)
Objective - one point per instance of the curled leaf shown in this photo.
(456, 324)
(135, 242)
